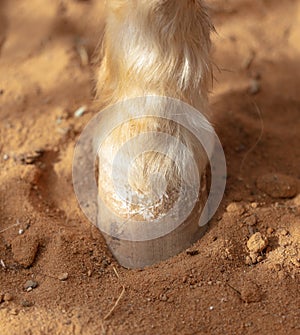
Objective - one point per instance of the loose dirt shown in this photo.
(56, 273)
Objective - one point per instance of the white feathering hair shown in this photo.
(153, 47)
(159, 47)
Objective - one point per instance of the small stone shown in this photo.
(5, 157)
(2, 263)
(254, 205)
(80, 111)
(163, 298)
(277, 185)
(270, 231)
(211, 308)
(253, 256)
(30, 284)
(257, 243)
(250, 292)
(63, 276)
(235, 208)
(259, 259)
(24, 249)
(89, 273)
(248, 260)
(7, 297)
(1, 297)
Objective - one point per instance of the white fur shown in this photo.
(156, 47)
(153, 47)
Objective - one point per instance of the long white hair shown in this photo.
(156, 47)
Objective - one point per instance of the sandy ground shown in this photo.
(242, 277)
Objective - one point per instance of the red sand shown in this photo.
(222, 289)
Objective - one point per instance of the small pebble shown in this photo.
(270, 231)
(163, 298)
(259, 259)
(89, 273)
(5, 157)
(30, 284)
(2, 264)
(253, 256)
(257, 243)
(63, 276)
(211, 308)
(235, 208)
(248, 260)
(80, 111)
